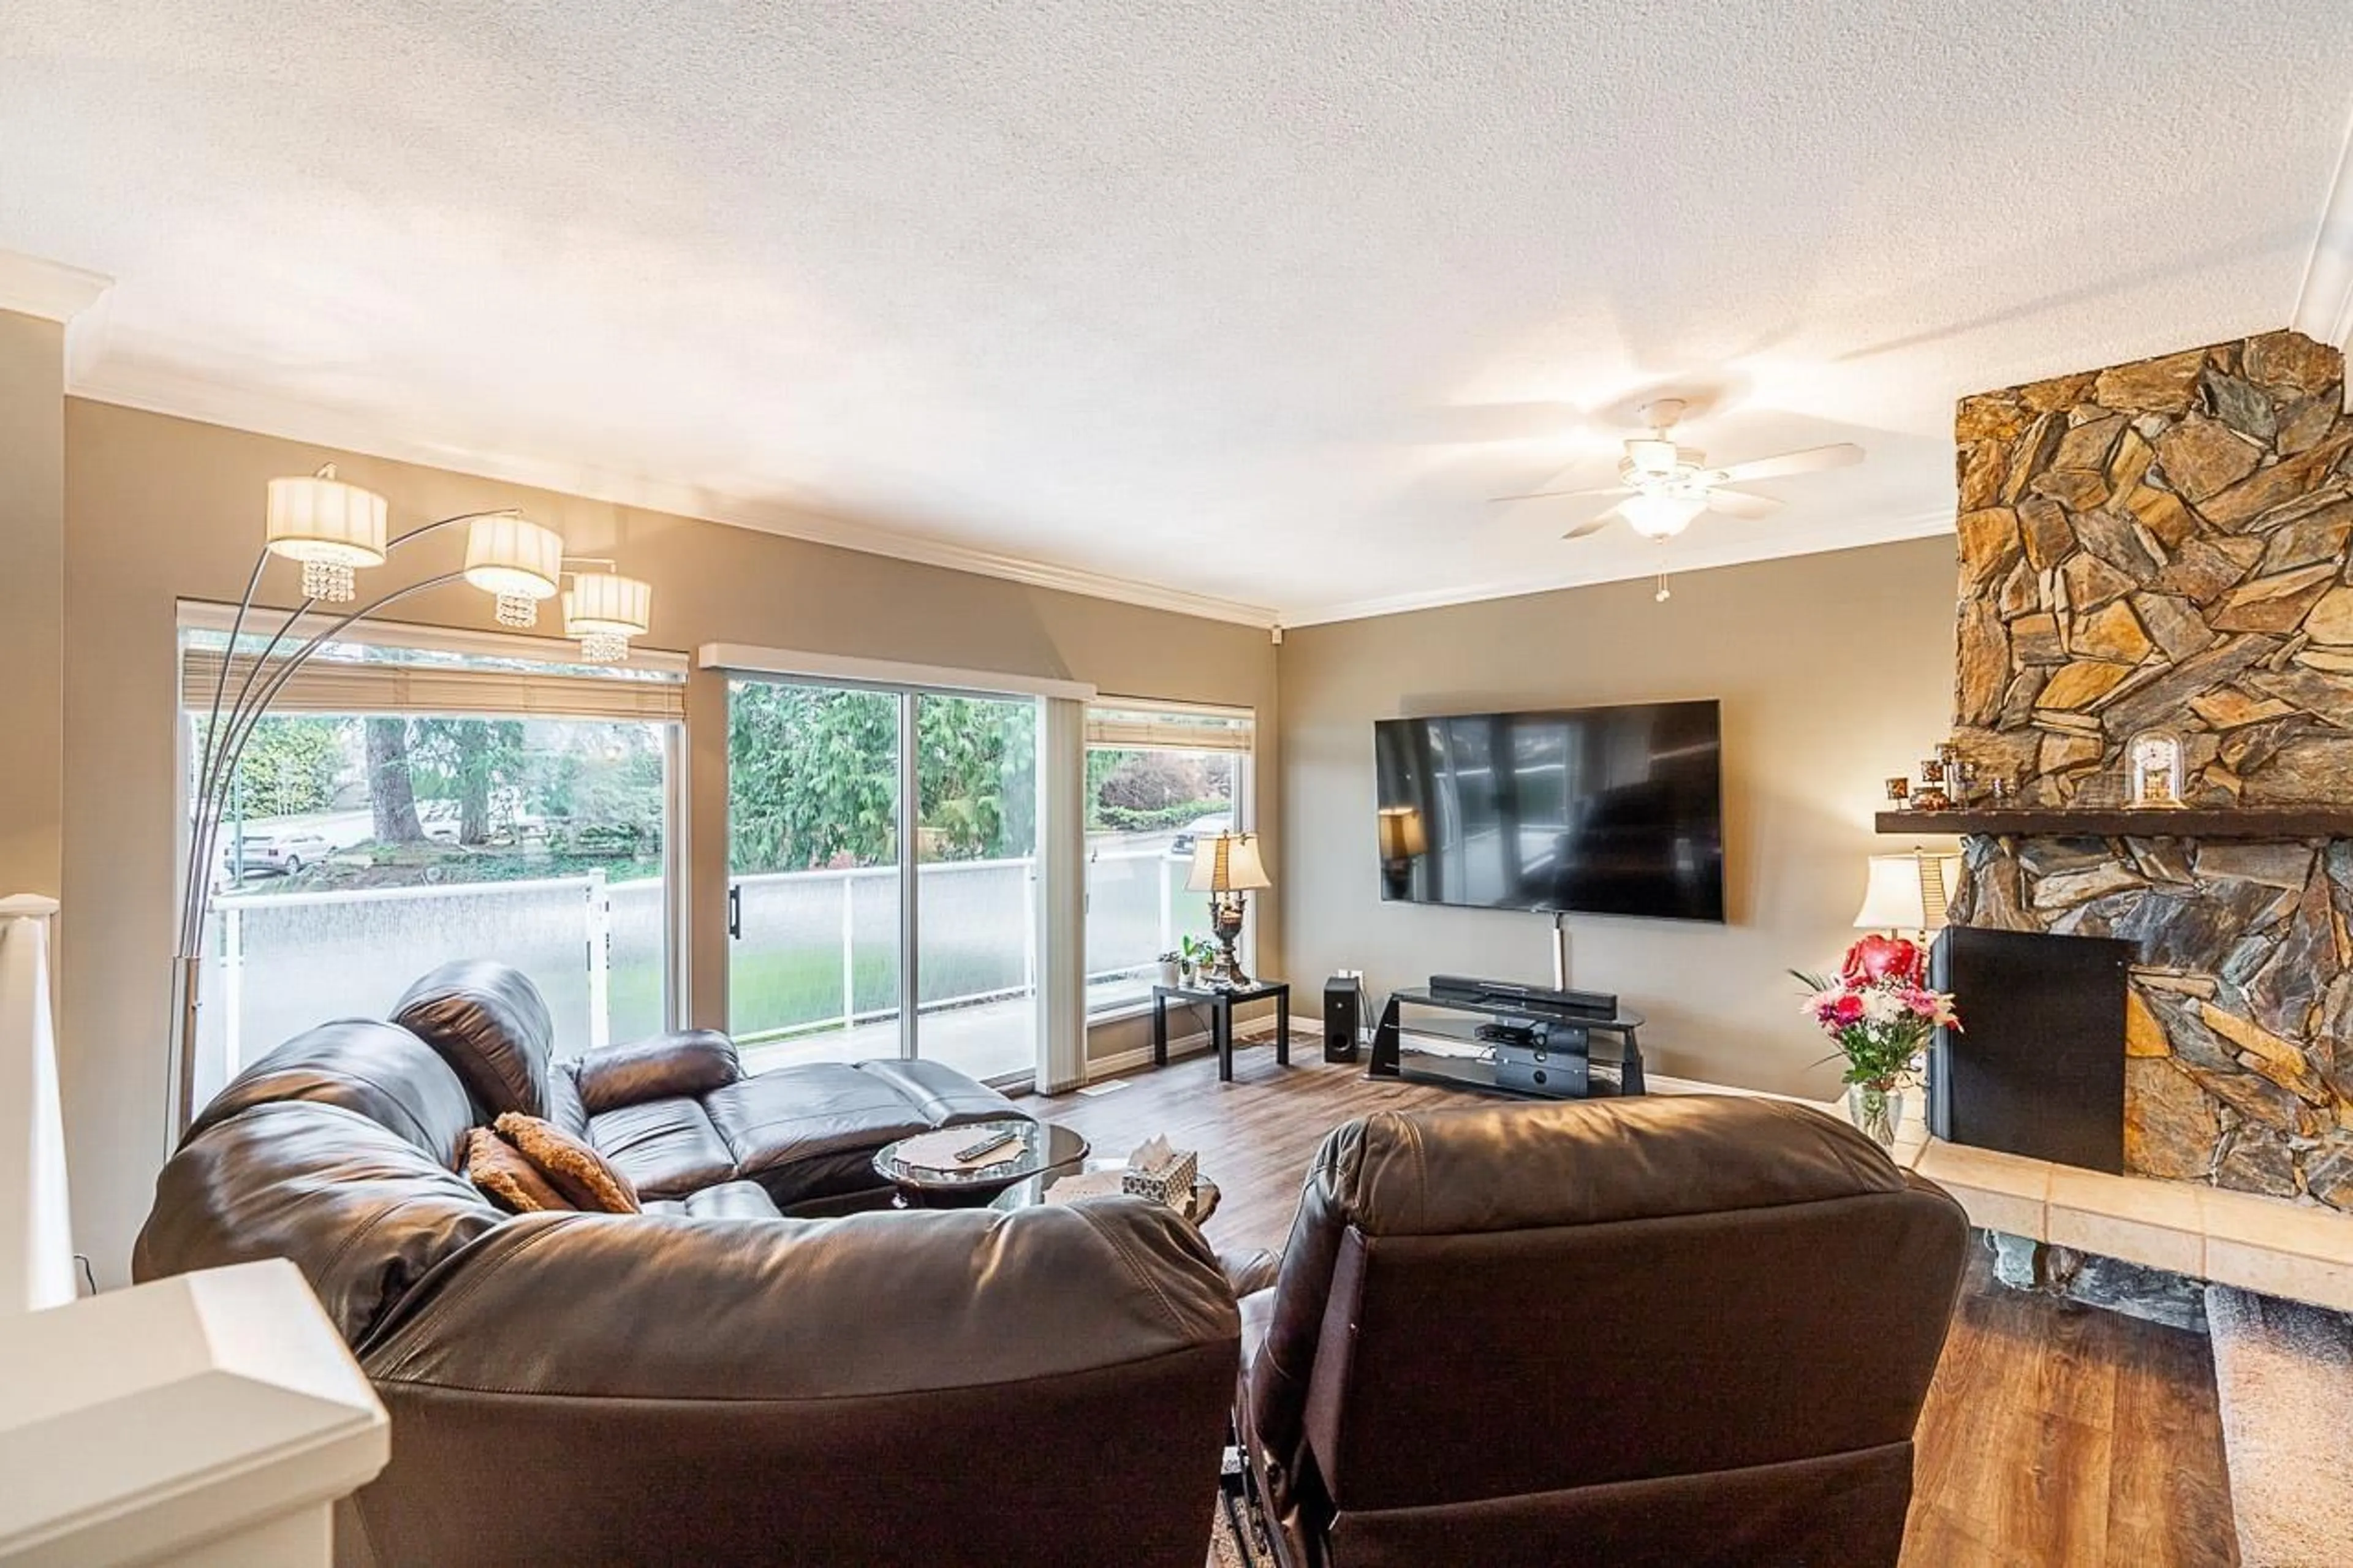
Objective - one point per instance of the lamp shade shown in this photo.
(1654, 514)
(607, 603)
(1402, 836)
(1908, 892)
(512, 556)
(1227, 864)
(318, 518)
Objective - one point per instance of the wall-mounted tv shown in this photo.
(1608, 811)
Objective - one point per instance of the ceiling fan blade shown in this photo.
(1740, 503)
(1595, 525)
(1811, 459)
(1547, 495)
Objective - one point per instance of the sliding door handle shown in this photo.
(735, 910)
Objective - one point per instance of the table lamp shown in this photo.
(1226, 867)
(1908, 892)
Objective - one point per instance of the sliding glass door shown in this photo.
(884, 852)
(977, 884)
(813, 907)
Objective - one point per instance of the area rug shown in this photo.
(2284, 1374)
(1223, 1552)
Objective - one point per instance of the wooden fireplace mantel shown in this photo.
(2184, 822)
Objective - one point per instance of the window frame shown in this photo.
(908, 695)
(643, 667)
(1245, 813)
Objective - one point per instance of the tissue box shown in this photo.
(1170, 1183)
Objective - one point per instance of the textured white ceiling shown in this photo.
(1255, 302)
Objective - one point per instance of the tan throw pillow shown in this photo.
(572, 1168)
(506, 1178)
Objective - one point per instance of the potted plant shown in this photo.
(1196, 957)
(1880, 1011)
(1172, 970)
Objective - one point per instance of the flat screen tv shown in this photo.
(1606, 811)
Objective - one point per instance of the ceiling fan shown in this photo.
(1666, 486)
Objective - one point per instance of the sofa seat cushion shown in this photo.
(728, 1200)
(811, 1129)
(942, 1096)
(667, 1148)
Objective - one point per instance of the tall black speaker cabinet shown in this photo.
(2037, 1067)
(1344, 1017)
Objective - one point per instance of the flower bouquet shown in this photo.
(1880, 1011)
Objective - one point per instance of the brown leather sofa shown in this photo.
(676, 1114)
(1686, 1331)
(707, 1382)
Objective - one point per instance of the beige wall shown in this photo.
(32, 574)
(1835, 671)
(158, 508)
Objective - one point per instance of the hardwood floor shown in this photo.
(2056, 1435)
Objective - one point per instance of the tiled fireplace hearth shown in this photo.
(2164, 545)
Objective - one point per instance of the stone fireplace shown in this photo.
(2164, 545)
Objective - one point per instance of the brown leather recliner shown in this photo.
(704, 1382)
(1684, 1330)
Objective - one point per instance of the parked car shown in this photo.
(279, 854)
(1181, 846)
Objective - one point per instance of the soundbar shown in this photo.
(1595, 1004)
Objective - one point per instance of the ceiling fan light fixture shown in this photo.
(1656, 514)
(1653, 456)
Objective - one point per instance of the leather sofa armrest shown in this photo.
(690, 1062)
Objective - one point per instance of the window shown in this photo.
(1159, 777)
(408, 803)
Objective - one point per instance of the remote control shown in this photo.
(994, 1141)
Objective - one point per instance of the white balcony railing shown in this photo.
(819, 950)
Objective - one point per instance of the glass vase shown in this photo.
(1876, 1112)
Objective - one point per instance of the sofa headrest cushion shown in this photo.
(1516, 1167)
(358, 1209)
(379, 1071)
(490, 1025)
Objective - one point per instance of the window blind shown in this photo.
(349, 686)
(1173, 727)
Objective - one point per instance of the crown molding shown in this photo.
(213, 402)
(31, 286)
(1739, 552)
(2324, 298)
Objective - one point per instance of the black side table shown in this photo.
(1220, 1000)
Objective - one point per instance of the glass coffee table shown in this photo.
(1043, 1148)
(1033, 1190)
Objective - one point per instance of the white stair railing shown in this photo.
(37, 1268)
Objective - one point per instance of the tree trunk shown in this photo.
(391, 795)
(473, 782)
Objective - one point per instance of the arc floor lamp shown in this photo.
(335, 531)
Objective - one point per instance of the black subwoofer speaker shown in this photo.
(1344, 1016)
(2038, 1065)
